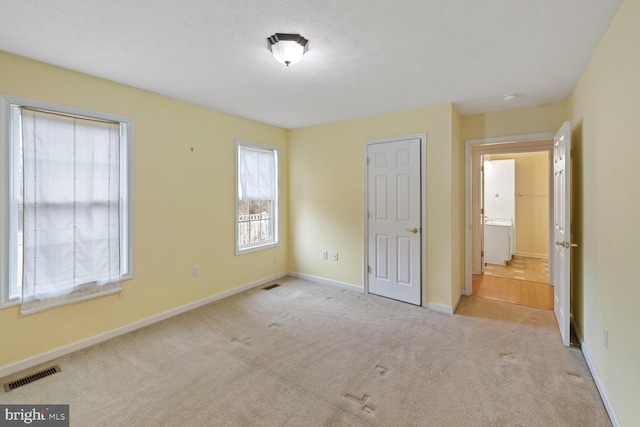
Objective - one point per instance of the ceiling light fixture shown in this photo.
(288, 48)
(510, 97)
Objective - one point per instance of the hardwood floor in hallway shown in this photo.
(521, 292)
(521, 268)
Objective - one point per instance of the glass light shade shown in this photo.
(287, 48)
(287, 51)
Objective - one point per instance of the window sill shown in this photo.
(17, 301)
(256, 248)
(10, 303)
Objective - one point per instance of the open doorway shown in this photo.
(516, 216)
(509, 211)
(515, 238)
(559, 147)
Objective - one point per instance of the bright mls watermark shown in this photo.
(34, 415)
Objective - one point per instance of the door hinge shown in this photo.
(368, 215)
(482, 253)
(482, 211)
(481, 168)
(368, 269)
(367, 161)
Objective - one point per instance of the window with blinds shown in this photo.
(69, 222)
(257, 197)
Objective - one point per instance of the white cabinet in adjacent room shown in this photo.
(497, 242)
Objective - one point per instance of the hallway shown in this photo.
(521, 268)
(520, 292)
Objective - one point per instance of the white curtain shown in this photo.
(71, 226)
(257, 173)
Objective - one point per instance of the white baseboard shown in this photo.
(348, 286)
(336, 283)
(441, 308)
(531, 255)
(32, 361)
(575, 329)
(596, 378)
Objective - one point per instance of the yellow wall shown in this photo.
(327, 198)
(183, 207)
(195, 190)
(544, 118)
(532, 208)
(534, 120)
(605, 115)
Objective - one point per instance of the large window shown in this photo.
(257, 197)
(66, 182)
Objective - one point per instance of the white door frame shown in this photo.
(500, 145)
(423, 209)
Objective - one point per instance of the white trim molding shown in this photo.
(505, 144)
(47, 356)
(441, 308)
(603, 392)
(322, 280)
(596, 377)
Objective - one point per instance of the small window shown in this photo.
(67, 230)
(257, 197)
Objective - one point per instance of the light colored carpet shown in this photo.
(305, 354)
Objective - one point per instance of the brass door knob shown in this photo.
(566, 245)
(413, 230)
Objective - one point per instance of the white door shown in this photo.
(482, 214)
(393, 223)
(562, 229)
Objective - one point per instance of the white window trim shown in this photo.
(276, 222)
(6, 178)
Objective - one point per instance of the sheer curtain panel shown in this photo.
(71, 224)
(257, 173)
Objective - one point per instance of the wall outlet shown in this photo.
(325, 254)
(335, 256)
(196, 270)
(605, 339)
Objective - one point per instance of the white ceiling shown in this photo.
(365, 56)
